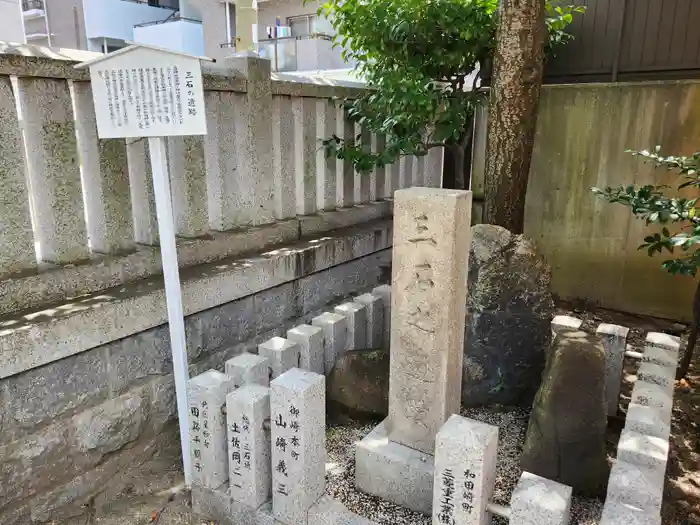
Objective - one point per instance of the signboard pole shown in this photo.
(173, 296)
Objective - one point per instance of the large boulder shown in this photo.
(358, 385)
(509, 311)
(565, 438)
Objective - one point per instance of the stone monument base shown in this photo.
(394, 472)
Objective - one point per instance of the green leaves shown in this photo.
(651, 204)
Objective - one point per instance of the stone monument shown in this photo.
(428, 302)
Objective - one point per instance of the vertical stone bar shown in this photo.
(283, 157)
(282, 354)
(375, 318)
(356, 314)
(53, 167)
(394, 177)
(248, 369)
(143, 202)
(384, 291)
(362, 180)
(188, 185)
(540, 501)
(335, 333)
(310, 341)
(406, 173)
(105, 177)
(378, 146)
(662, 349)
(325, 167)
(344, 168)
(219, 158)
(254, 202)
(434, 167)
(298, 409)
(418, 177)
(465, 471)
(304, 110)
(431, 245)
(206, 395)
(250, 476)
(614, 339)
(16, 236)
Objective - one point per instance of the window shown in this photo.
(303, 25)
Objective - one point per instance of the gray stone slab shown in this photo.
(650, 420)
(621, 514)
(298, 420)
(540, 501)
(375, 318)
(282, 354)
(356, 315)
(249, 369)
(644, 450)
(565, 322)
(327, 511)
(311, 345)
(384, 292)
(250, 476)
(394, 472)
(653, 395)
(465, 471)
(335, 333)
(635, 485)
(614, 338)
(429, 265)
(206, 396)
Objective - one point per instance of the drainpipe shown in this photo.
(48, 27)
(228, 22)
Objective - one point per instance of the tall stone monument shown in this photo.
(429, 289)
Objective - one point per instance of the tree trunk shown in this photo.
(515, 94)
(692, 337)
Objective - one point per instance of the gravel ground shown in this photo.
(512, 425)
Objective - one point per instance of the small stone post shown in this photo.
(614, 338)
(384, 292)
(250, 477)
(282, 354)
(335, 333)
(540, 501)
(431, 247)
(310, 341)
(298, 410)
(206, 395)
(465, 472)
(375, 318)
(356, 315)
(248, 369)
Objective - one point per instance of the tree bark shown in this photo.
(515, 94)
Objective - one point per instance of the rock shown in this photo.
(509, 311)
(565, 439)
(358, 385)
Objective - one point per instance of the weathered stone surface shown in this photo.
(358, 385)
(565, 439)
(509, 310)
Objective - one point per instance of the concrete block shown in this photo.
(635, 485)
(614, 338)
(311, 345)
(429, 264)
(375, 318)
(206, 396)
(660, 356)
(650, 420)
(565, 322)
(621, 514)
(640, 449)
(249, 369)
(335, 333)
(652, 395)
(668, 342)
(384, 292)
(540, 501)
(298, 413)
(465, 471)
(282, 354)
(250, 476)
(394, 472)
(356, 315)
(664, 376)
(327, 511)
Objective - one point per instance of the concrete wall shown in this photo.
(180, 35)
(582, 134)
(11, 23)
(269, 10)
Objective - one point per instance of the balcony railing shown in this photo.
(282, 52)
(153, 3)
(30, 5)
(169, 19)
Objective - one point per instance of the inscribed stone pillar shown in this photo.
(16, 238)
(250, 477)
(431, 246)
(465, 471)
(206, 396)
(298, 421)
(614, 339)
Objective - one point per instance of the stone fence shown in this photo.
(270, 232)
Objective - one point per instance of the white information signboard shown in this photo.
(142, 91)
